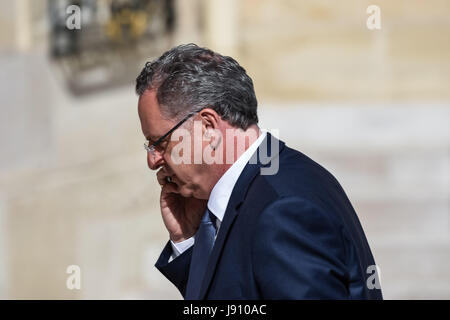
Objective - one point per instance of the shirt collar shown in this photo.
(221, 193)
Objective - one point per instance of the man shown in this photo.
(247, 216)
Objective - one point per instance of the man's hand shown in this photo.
(181, 215)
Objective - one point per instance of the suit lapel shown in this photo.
(263, 156)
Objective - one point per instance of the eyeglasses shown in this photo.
(152, 148)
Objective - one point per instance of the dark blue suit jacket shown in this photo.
(291, 235)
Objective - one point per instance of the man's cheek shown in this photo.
(180, 153)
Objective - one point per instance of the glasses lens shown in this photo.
(149, 148)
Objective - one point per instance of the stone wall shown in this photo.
(322, 50)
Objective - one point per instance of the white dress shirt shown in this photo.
(220, 194)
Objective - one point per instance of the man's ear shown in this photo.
(211, 126)
(210, 118)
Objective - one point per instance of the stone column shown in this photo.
(188, 15)
(221, 25)
(23, 25)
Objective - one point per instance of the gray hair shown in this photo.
(189, 78)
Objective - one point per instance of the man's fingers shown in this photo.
(169, 188)
(162, 176)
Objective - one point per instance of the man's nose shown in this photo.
(154, 161)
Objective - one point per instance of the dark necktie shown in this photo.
(204, 241)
